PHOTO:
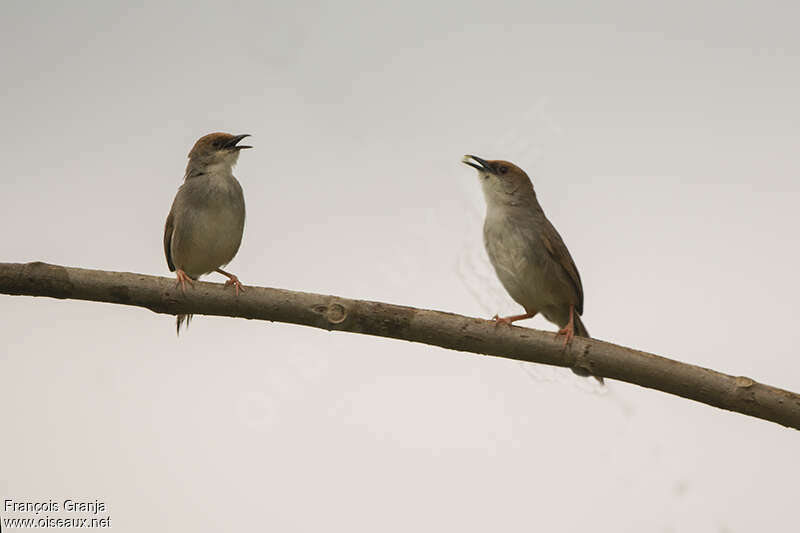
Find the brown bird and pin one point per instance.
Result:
(527, 253)
(205, 225)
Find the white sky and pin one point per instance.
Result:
(662, 141)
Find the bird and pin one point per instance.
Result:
(527, 253)
(204, 227)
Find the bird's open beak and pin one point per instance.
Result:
(232, 144)
(475, 162)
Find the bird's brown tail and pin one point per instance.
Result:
(581, 331)
(180, 319)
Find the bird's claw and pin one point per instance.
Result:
(236, 284)
(568, 332)
(183, 279)
(497, 319)
(511, 319)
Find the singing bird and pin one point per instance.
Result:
(527, 253)
(205, 225)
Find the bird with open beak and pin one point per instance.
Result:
(526, 251)
(205, 225)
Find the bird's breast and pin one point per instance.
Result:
(209, 230)
(520, 261)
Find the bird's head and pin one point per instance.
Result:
(215, 152)
(503, 183)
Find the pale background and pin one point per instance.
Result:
(662, 140)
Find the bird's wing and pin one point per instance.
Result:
(168, 227)
(558, 252)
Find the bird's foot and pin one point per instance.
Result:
(232, 280)
(568, 331)
(497, 319)
(183, 279)
(235, 282)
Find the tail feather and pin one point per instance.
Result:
(184, 319)
(581, 331)
(180, 319)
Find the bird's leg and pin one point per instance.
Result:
(509, 319)
(232, 280)
(569, 330)
(183, 278)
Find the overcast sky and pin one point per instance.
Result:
(662, 140)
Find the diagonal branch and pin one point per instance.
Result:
(454, 332)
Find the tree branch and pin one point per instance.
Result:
(447, 330)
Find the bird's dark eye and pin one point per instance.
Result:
(215, 144)
(503, 169)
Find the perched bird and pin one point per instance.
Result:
(205, 225)
(527, 252)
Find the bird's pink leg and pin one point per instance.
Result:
(183, 279)
(569, 330)
(509, 319)
(232, 280)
